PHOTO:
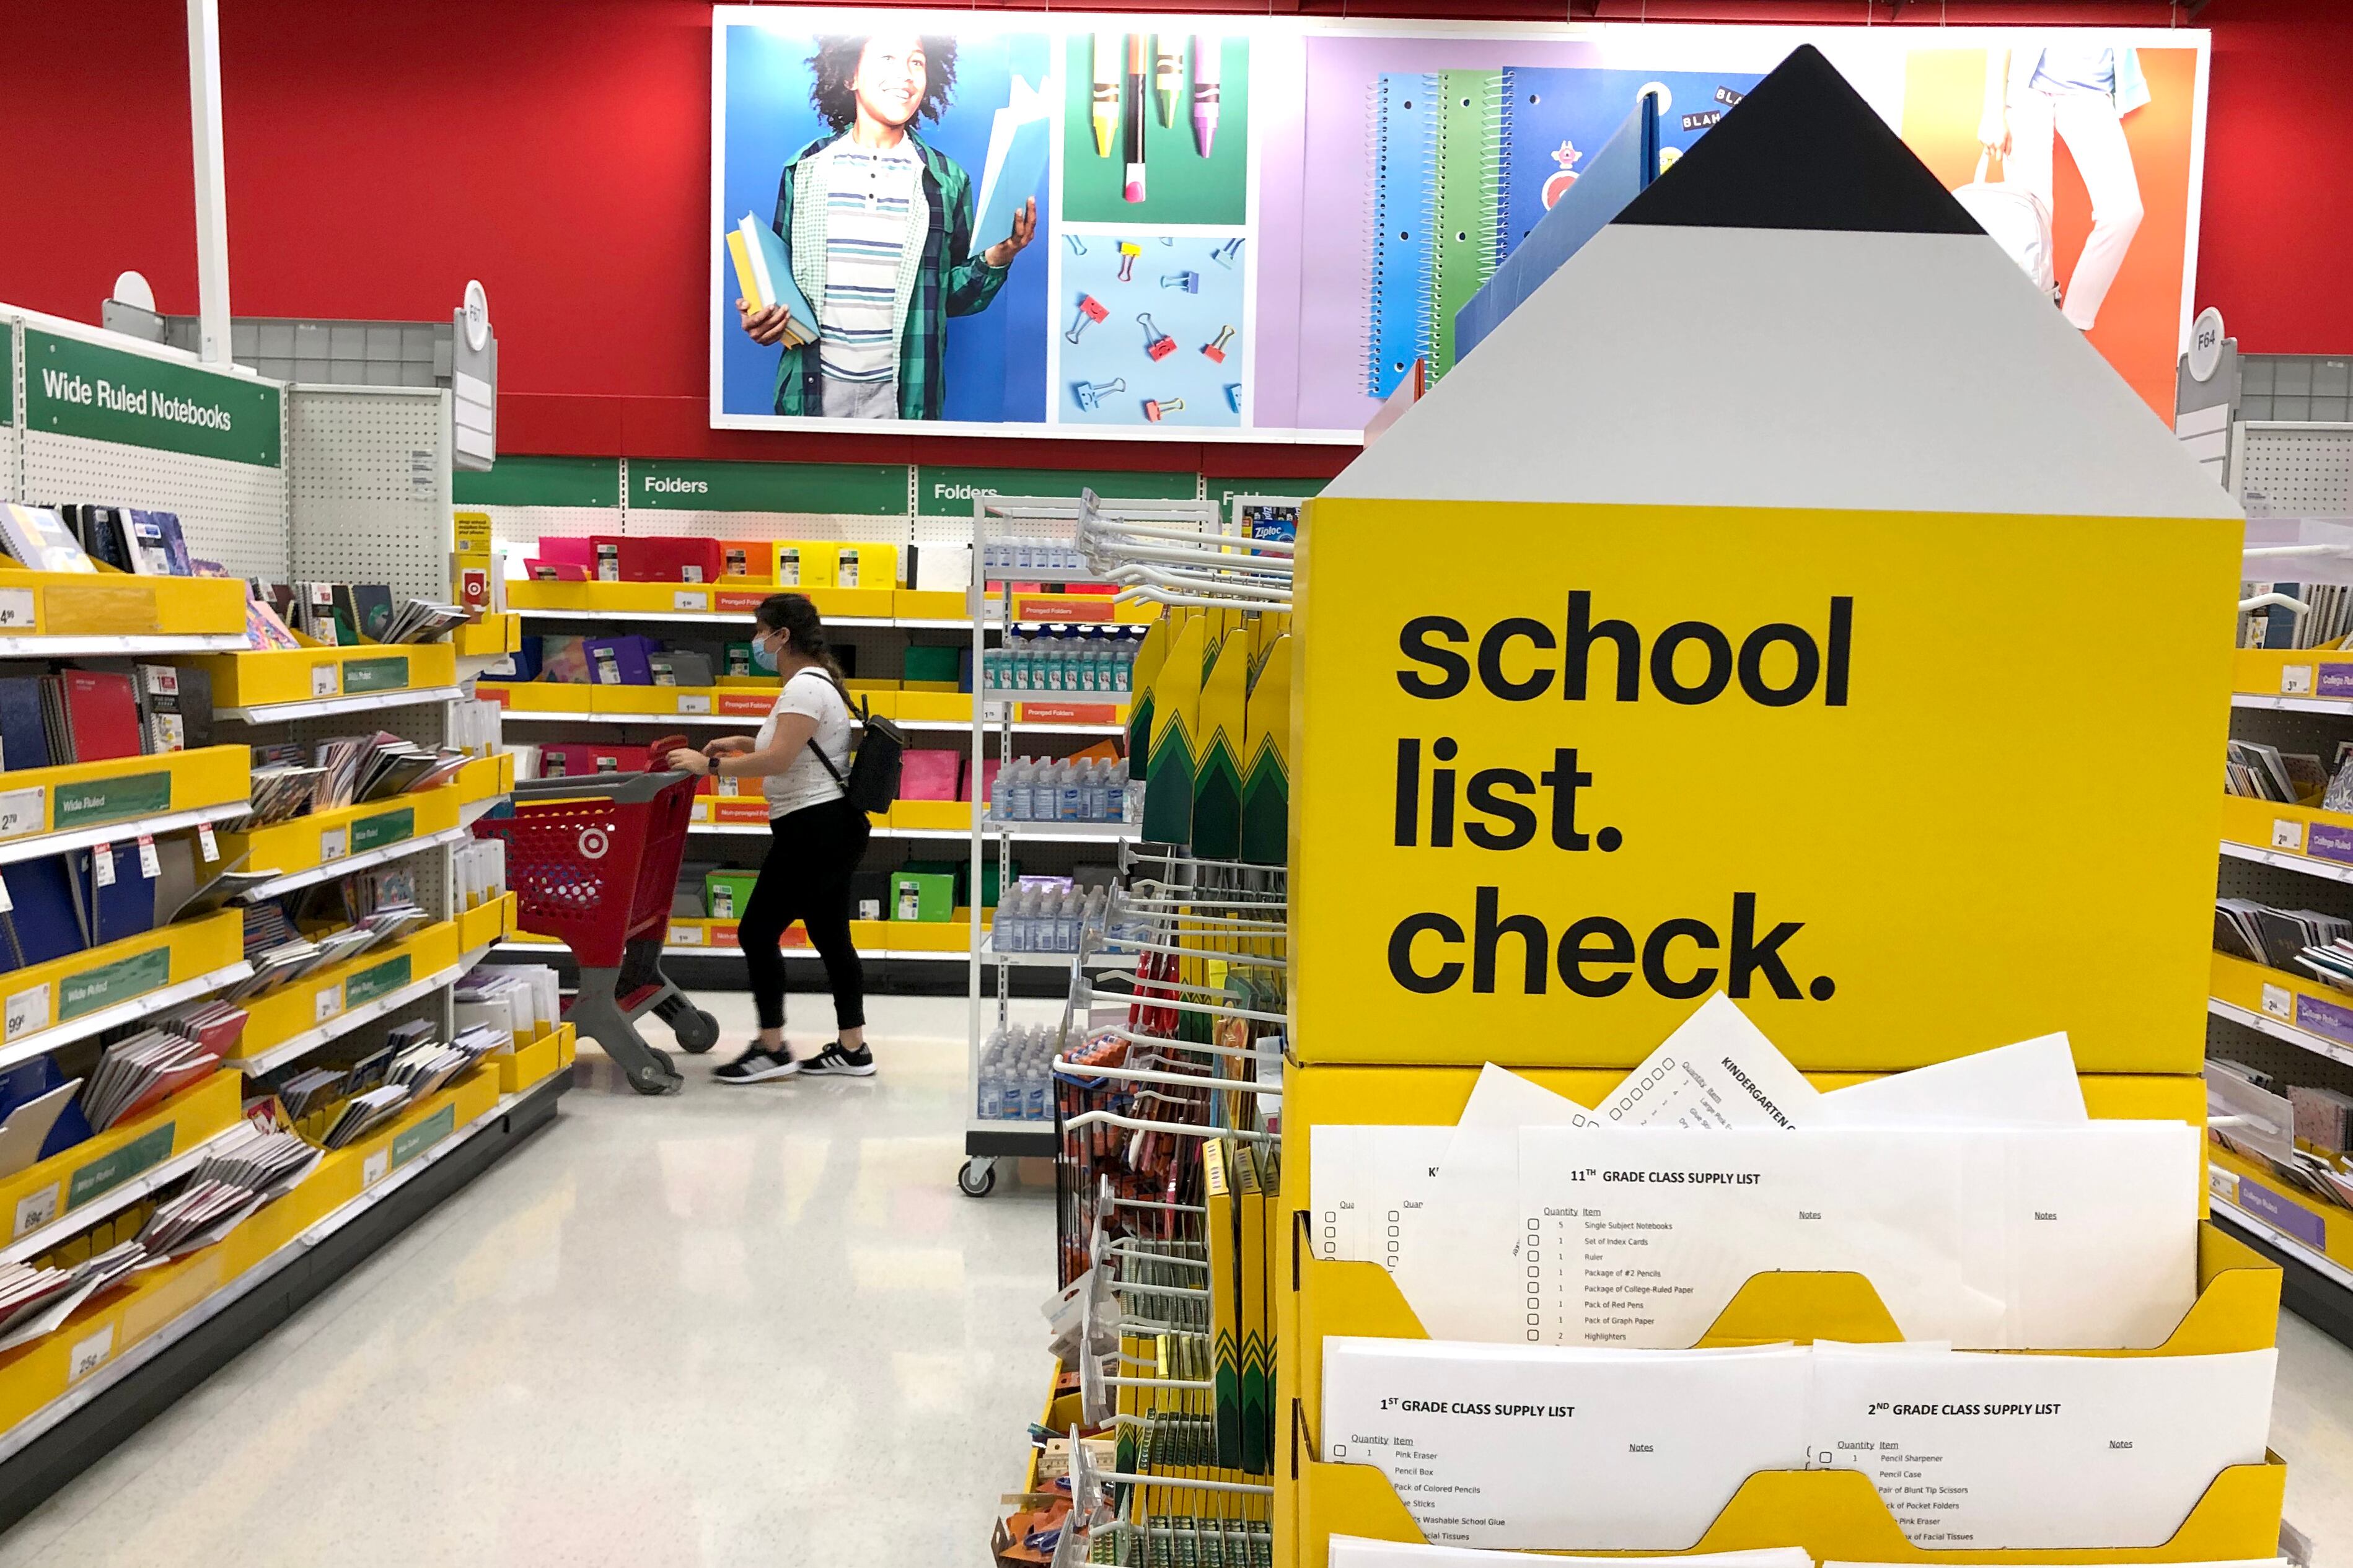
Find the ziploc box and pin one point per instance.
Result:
(923, 896)
(727, 894)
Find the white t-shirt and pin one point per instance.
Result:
(866, 230)
(805, 782)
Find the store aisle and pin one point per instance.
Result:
(736, 1326)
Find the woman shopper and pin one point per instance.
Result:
(801, 757)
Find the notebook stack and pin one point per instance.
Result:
(176, 707)
(36, 538)
(245, 1169)
(36, 1301)
(135, 1075)
(279, 793)
(2280, 939)
(421, 621)
(2257, 772)
(364, 1112)
(356, 769)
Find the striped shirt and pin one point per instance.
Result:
(866, 237)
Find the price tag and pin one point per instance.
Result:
(102, 864)
(16, 610)
(2295, 680)
(24, 811)
(2279, 1003)
(328, 1003)
(26, 1011)
(2222, 1183)
(689, 936)
(206, 842)
(2287, 833)
(686, 599)
(149, 865)
(373, 1169)
(695, 704)
(90, 1354)
(335, 843)
(36, 1209)
(322, 681)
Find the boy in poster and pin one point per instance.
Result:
(879, 228)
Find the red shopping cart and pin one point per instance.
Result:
(594, 862)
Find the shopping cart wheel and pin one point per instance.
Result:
(978, 1177)
(657, 1077)
(697, 1030)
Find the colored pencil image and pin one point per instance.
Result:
(1131, 144)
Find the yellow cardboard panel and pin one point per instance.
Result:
(1550, 792)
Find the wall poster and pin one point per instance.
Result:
(1104, 225)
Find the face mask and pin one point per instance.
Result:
(762, 660)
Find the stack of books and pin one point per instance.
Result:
(35, 1301)
(147, 543)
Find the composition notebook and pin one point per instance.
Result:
(1466, 162)
(764, 270)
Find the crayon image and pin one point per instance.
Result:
(1167, 78)
(1206, 65)
(1105, 111)
(1133, 143)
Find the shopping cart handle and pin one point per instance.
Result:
(622, 789)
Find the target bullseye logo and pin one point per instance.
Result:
(594, 843)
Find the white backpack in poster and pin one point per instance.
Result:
(2019, 222)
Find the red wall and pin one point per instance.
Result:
(380, 154)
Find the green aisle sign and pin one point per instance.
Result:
(950, 492)
(541, 482)
(1223, 492)
(865, 489)
(74, 388)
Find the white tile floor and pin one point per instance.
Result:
(738, 1327)
(733, 1326)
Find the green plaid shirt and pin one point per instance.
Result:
(940, 277)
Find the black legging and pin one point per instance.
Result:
(806, 877)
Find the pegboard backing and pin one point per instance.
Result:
(2316, 734)
(2281, 887)
(2296, 469)
(234, 513)
(370, 487)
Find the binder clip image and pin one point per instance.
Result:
(1128, 251)
(1090, 310)
(1234, 395)
(1189, 282)
(1155, 410)
(1227, 254)
(1090, 393)
(1216, 351)
(1078, 246)
(1156, 344)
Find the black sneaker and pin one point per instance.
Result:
(835, 1062)
(759, 1064)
